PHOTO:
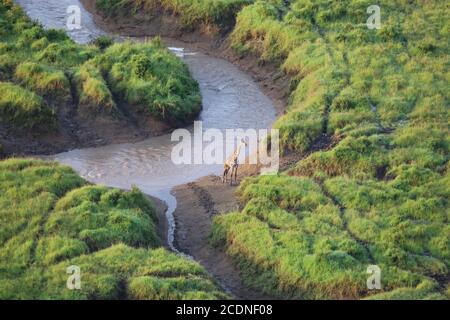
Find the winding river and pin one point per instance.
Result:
(231, 100)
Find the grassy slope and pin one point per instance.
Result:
(37, 67)
(52, 219)
(380, 196)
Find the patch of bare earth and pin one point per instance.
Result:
(198, 202)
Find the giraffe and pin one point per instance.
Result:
(232, 164)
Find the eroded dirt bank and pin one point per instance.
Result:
(161, 208)
(74, 132)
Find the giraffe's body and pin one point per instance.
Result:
(232, 164)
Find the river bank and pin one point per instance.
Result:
(76, 134)
(197, 203)
(59, 94)
(306, 234)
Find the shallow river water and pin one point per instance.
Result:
(231, 99)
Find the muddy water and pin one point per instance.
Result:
(230, 100)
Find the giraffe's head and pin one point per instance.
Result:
(243, 142)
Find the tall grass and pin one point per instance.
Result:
(95, 96)
(43, 80)
(52, 219)
(23, 108)
(148, 76)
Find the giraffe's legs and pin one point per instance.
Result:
(225, 175)
(233, 172)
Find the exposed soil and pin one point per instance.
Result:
(75, 130)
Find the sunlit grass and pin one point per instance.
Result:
(52, 219)
(23, 108)
(192, 13)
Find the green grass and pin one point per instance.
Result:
(48, 64)
(145, 77)
(52, 219)
(23, 108)
(303, 245)
(43, 80)
(148, 76)
(380, 195)
(192, 13)
(95, 95)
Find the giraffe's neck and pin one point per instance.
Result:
(238, 151)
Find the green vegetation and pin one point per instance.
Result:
(380, 194)
(21, 107)
(377, 196)
(149, 76)
(95, 95)
(43, 80)
(52, 219)
(192, 13)
(44, 70)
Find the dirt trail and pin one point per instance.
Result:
(274, 83)
(198, 202)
